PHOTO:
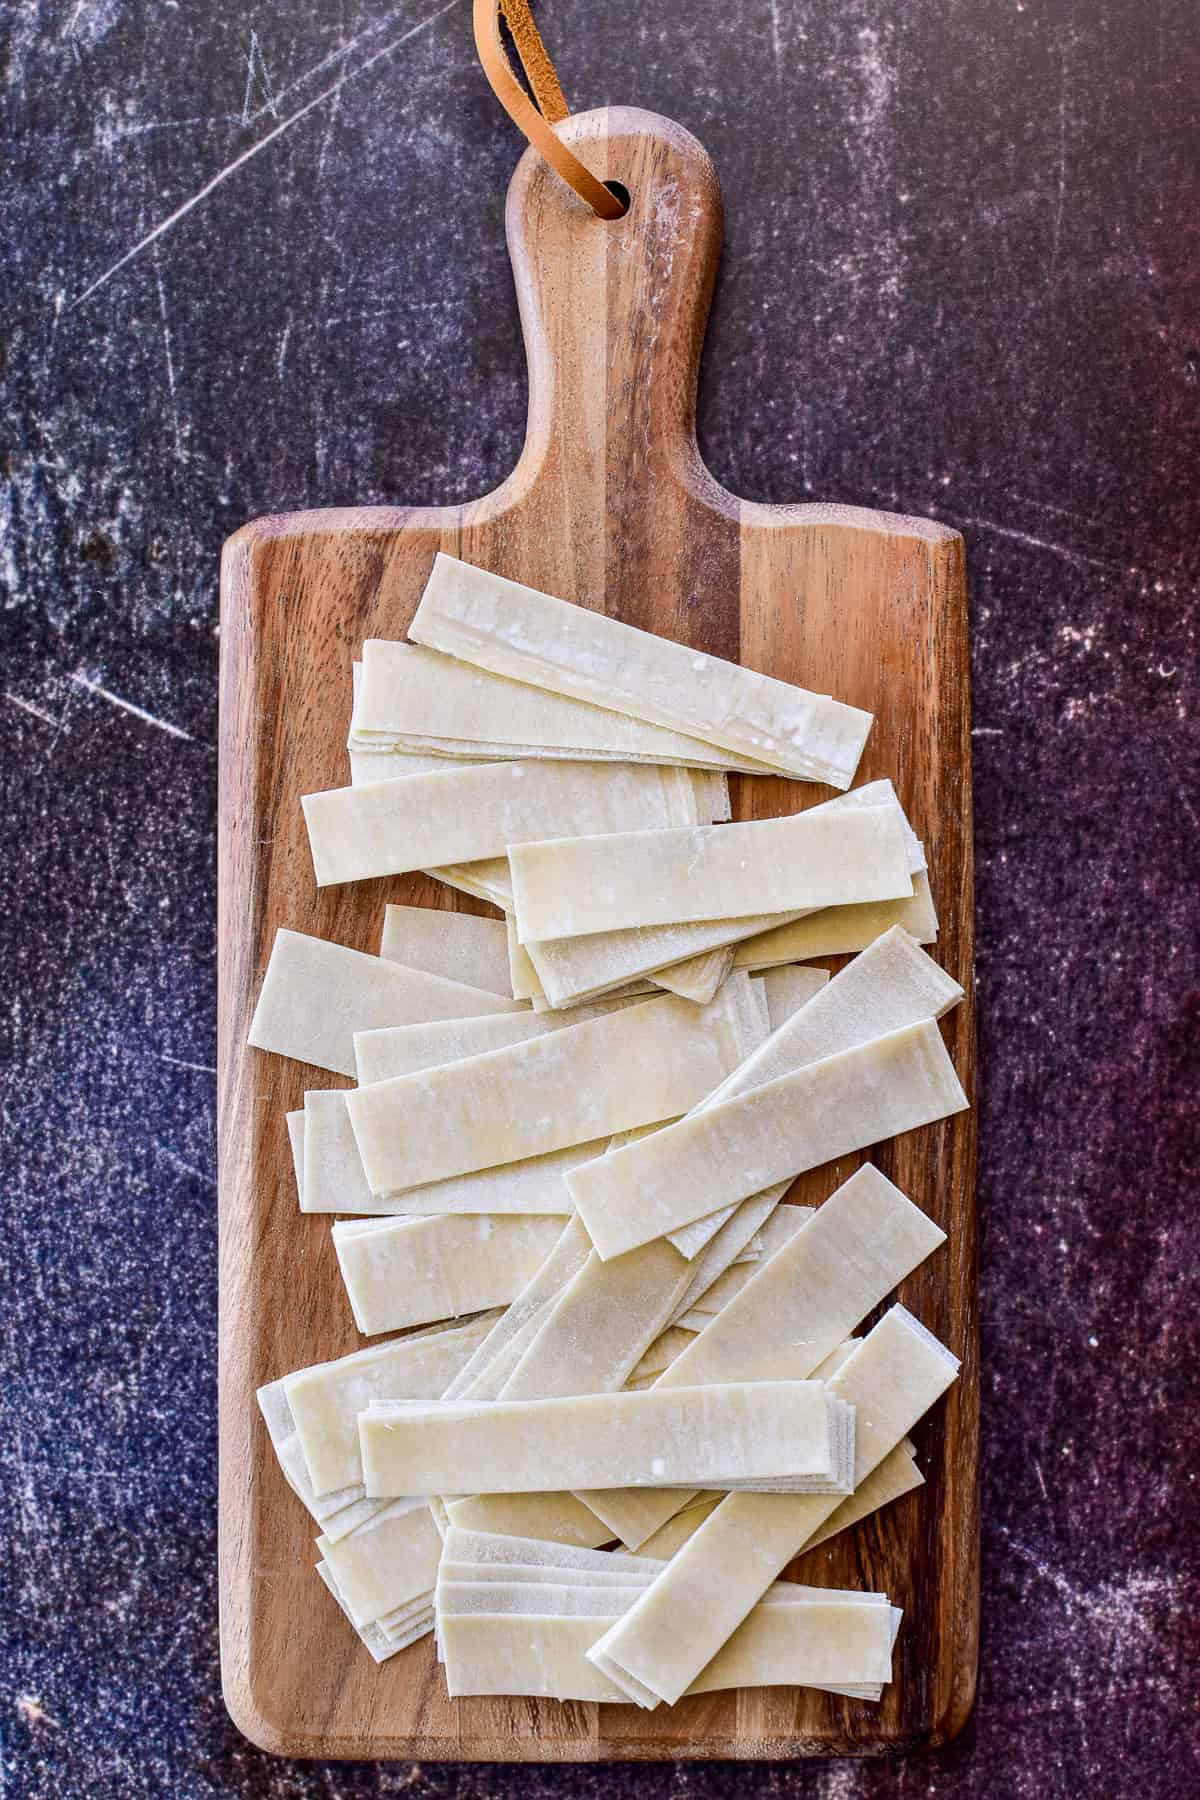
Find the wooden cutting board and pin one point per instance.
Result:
(611, 506)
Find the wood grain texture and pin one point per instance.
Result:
(610, 506)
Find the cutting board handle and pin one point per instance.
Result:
(614, 311)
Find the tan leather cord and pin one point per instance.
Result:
(535, 60)
(537, 122)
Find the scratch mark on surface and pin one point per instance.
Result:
(327, 136)
(139, 712)
(776, 41)
(1062, 162)
(179, 1063)
(29, 707)
(257, 71)
(435, 306)
(283, 344)
(180, 450)
(1063, 512)
(253, 150)
(334, 56)
(1119, 1602)
(1029, 661)
(1037, 543)
(33, 1712)
(185, 1168)
(144, 127)
(61, 727)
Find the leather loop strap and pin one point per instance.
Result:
(535, 60)
(538, 126)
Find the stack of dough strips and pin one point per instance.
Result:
(561, 1171)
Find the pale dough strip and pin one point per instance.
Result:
(890, 1085)
(333, 1179)
(776, 1231)
(422, 700)
(564, 1598)
(619, 1519)
(694, 978)
(842, 1644)
(390, 1560)
(662, 1353)
(569, 886)
(337, 1182)
(533, 1185)
(788, 989)
(564, 1261)
(890, 1480)
(488, 1383)
(601, 1324)
(698, 977)
(332, 1176)
(568, 970)
(667, 1639)
(727, 1244)
(526, 983)
(380, 1643)
(368, 764)
(623, 1511)
(487, 1557)
(401, 1272)
(663, 1543)
(635, 1514)
(477, 811)
(503, 1550)
(739, 1431)
(549, 1517)
(476, 1587)
(338, 1512)
(316, 995)
(713, 803)
(366, 748)
(482, 1574)
(295, 1131)
(574, 968)
(377, 759)
(455, 945)
(583, 1340)
(406, 1049)
(635, 1067)
(838, 930)
(484, 1590)
(892, 984)
(402, 1616)
(529, 636)
(488, 879)
(895, 1476)
(834, 1644)
(326, 1398)
(857, 1247)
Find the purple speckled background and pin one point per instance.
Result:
(253, 261)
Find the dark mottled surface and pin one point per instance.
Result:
(254, 262)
